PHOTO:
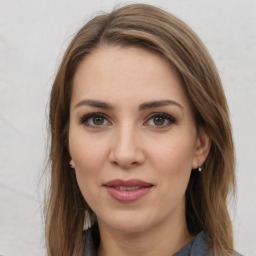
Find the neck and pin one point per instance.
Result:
(161, 240)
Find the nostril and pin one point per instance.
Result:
(126, 157)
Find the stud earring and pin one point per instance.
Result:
(199, 166)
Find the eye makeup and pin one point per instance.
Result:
(99, 120)
(160, 120)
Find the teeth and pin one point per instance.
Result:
(127, 188)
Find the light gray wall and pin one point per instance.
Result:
(33, 36)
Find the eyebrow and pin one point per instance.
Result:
(159, 103)
(143, 106)
(94, 103)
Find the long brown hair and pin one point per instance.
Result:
(206, 196)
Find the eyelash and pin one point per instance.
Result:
(170, 119)
(85, 119)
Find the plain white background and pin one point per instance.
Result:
(33, 37)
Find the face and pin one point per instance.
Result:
(132, 138)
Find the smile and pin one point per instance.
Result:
(127, 188)
(127, 191)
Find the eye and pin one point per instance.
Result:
(94, 120)
(160, 120)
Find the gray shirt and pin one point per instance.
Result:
(197, 247)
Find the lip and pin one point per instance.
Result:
(137, 189)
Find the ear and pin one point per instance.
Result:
(202, 149)
(72, 163)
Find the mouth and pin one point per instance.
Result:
(127, 188)
(127, 191)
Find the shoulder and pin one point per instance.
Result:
(199, 247)
(237, 254)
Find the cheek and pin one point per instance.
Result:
(88, 155)
(173, 161)
(86, 150)
(175, 152)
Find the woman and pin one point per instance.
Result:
(141, 144)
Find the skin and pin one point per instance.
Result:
(128, 143)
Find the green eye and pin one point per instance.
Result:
(98, 120)
(159, 121)
(94, 120)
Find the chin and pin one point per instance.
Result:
(129, 227)
(127, 223)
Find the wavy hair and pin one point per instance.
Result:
(207, 193)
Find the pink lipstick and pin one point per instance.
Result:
(127, 191)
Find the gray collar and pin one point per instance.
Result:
(197, 247)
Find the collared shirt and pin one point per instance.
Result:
(197, 247)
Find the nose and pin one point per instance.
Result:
(127, 151)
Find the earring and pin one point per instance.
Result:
(200, 166)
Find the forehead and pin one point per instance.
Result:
(127, 73)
